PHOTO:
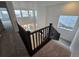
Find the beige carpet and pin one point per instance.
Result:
(53, 49)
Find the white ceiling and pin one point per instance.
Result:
(46, 3)
(40, 3)
(34, 4)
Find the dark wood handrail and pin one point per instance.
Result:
(39, 29)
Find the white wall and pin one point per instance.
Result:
(75, 45)
(41, 17)
(68, 8)
(41, 12)
(12, 15)
(24, 4)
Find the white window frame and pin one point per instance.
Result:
(3, 14)
(64, 27)
(32, 13)
(23, 15)
(19, 11)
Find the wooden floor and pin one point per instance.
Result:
(53, 49)
(11, 45)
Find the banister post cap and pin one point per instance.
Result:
(50, 24)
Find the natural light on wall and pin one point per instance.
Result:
(67, 22)
(29, 27)
(71, 8)
(27, 19)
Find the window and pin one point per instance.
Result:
(25, 13)
(67, 22)
(0, 15)
(17, 13)
(5, 14)
(30, 13)
(35, 13)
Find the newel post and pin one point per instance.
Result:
(50, 27)
(28, 43)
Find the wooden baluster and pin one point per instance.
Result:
(45, 32)
(36, 40)
(41, 36)
(33, 41)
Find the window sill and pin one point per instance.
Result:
(65, 28)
